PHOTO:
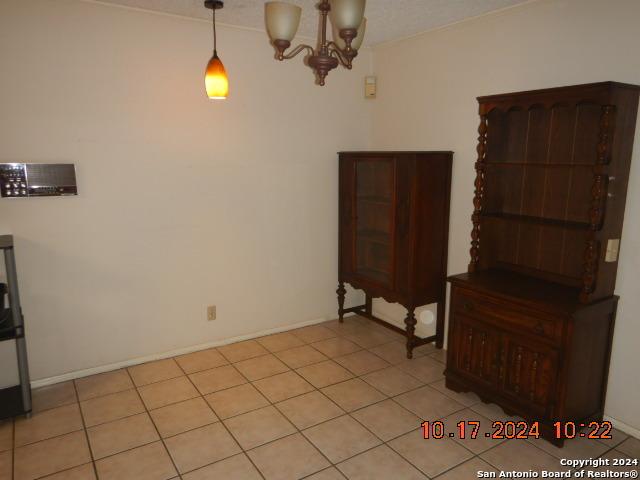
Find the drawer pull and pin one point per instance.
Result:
(539, 328)
(467, 306)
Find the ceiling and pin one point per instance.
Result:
(386, 19)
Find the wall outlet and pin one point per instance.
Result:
(211, 312)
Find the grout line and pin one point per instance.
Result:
(230, 434)
(86, 432)
(154, 426)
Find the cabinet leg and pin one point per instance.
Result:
(341, 291)
(442, 306)
(410, 322)
(368, 305)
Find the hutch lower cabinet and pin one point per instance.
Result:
(531, 323)
(518, 343)
(393, 233)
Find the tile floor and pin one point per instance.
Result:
(330, 401)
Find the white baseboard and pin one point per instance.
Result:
(159, 356)
(623, 427)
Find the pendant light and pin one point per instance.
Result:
(215, 77)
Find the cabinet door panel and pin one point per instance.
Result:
(530, 372)
(477, 349)
(375, 182)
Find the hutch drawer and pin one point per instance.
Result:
(507, 316)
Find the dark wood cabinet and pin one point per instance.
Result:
(532, 321)
(393, 232)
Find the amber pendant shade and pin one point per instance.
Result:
(215, 79)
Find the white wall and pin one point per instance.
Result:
(183, 202)
(426, 100)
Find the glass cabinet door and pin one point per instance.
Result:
(374, 222)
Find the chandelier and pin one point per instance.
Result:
(347, 20)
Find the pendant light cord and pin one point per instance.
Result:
(214, 31)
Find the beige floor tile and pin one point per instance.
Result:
(111, 407)
(481, 442)
(324, 373)
(428, 404)
(259, 427)
(183, 416)
(465, 398)
(362, 362)
(369, 338)
(235, 401)
(216, 379)
(439, 355)
(202, 360)
(301, 356)
(493, 412)
(150, 462)
(392, 381)
(238, 467)
(309, 409)
(288, 458)
(200, 447)
(380, 463)
(350, 326)
(51, 456)
(341, 438)
(124, 434)
(6, 465)
(468, 470)
(396, 352)
(83, 472)
(387, 419)
(280, 341)
(578, 447)
(432, 456)
(48, 424)
(313, 333)
(164, 393)
(283, 386)
(261, 367)
(331, 473)
(631, 447)
(520, 455)
(103, 384)
(155, 371)
(336, 347)
(425, 369)
(6, 435)
(617, 437)
(237, 352)
(353, 394)
(53, 396)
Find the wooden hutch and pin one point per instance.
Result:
(531, 323)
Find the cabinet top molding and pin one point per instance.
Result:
(603, 93)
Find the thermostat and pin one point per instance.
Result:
(370, 87)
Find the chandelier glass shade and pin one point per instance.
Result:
(348, 26)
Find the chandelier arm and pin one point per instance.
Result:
(336, 52)
(296, 51)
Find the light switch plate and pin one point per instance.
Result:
(613, 247)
